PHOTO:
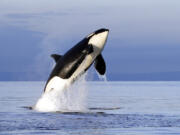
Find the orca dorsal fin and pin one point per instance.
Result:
(100, 65)
(56, 57)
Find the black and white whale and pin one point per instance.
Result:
(73, 64)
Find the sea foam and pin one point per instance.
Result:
(69, 99)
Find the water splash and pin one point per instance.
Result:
(102, 77)
(70, 99)
(75, 96)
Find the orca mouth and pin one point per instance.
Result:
(101, 30)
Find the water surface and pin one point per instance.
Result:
(122, 108)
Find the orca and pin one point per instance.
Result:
(76, 61)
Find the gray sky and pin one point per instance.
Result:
(144, 34)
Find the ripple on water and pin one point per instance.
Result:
(77, 120)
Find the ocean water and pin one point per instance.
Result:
(114, 108)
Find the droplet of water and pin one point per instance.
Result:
(102, 77)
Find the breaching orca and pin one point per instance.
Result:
(74, 63)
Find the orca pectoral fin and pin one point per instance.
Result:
(100, 65)
(56, 57)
